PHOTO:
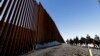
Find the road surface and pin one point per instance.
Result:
(64, 50)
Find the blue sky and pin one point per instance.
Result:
(74, 17)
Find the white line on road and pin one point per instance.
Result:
(90, 52)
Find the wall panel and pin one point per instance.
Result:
(23, 25)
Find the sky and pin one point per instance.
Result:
(74, 17)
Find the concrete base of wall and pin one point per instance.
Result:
(45, 45)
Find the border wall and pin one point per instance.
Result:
(23, 25)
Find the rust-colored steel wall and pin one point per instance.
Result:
(17, 26)
(47, 30)
(23, 25)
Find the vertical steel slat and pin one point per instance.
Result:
(32, 22)
(2, 7)
(13, 32)
(7, 27)
(28, 42)
(19, 30)
(2, 24)
(33, 30)
(29, 26)
(24, 34)
(15, 46)
(23, 30)
(2, 20)
(10, 30)
(5, 30)
(26, 39)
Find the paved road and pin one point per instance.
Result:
(61, 50)
(96, 52)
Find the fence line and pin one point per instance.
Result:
(23, 25)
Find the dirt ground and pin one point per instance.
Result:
(64, 50)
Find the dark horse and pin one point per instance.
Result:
(96, 43)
